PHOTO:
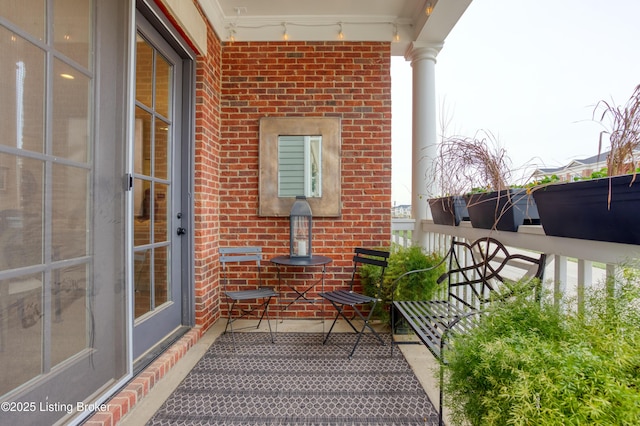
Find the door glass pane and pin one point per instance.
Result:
(71, 113)
(142, 282)
(70, 207)
(161, 202)
(161, 275)
(29, 15)
(22, 72)
(72, 29)
(143, 147)
(161, 151)
(144, 72)
(21, 330)
(21, 216)
(69, 307)
(142, 211)
(163, 85)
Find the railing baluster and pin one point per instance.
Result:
(585, 278)
(560, 278)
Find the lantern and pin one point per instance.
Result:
(300, 228)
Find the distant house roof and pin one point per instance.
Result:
(594, 159)
(590, 160)
(549, 170)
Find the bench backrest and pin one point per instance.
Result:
(478, 269)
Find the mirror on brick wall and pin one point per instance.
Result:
(299, 156)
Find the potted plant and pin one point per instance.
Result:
(484, 166)
(448, 210)
(602, 209)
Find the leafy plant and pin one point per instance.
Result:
(529, 363)
(420, 286)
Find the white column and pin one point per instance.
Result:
(425, 134)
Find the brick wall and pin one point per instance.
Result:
(207, 183)
(350, 80)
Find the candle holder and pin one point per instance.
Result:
(300, 220)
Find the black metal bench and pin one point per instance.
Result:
(475, 271)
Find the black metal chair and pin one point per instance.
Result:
(247, 289)
(340, 299)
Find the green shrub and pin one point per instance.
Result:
(529, 363)
(420, 286)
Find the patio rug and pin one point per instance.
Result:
(298, 381)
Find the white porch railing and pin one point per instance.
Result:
(572, 265)
(401, 230)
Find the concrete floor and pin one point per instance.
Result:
(422, 362)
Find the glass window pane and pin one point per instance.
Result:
(142, 282)
(21, 217)
(69, 310)
(142, 163)
(142, 211)
(144, 72)
(161, 218)
(70, 211)
(22, 72)
(161, 148)
(72, 29)
(163, 85)
(21, 332)
(29, 15)
(161, 276)
(71, 111)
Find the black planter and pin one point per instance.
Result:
(580, 209)
(448, 210)
(504, 210)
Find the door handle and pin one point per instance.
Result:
(181, 231)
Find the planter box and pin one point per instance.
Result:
(580, 209)
(504, 210)
(448, 210)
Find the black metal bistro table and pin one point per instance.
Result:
(314, 260)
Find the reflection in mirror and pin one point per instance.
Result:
(299, 166)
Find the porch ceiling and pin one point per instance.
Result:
(312, 20)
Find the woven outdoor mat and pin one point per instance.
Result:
(298, 381)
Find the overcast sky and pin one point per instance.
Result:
(529, 72)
